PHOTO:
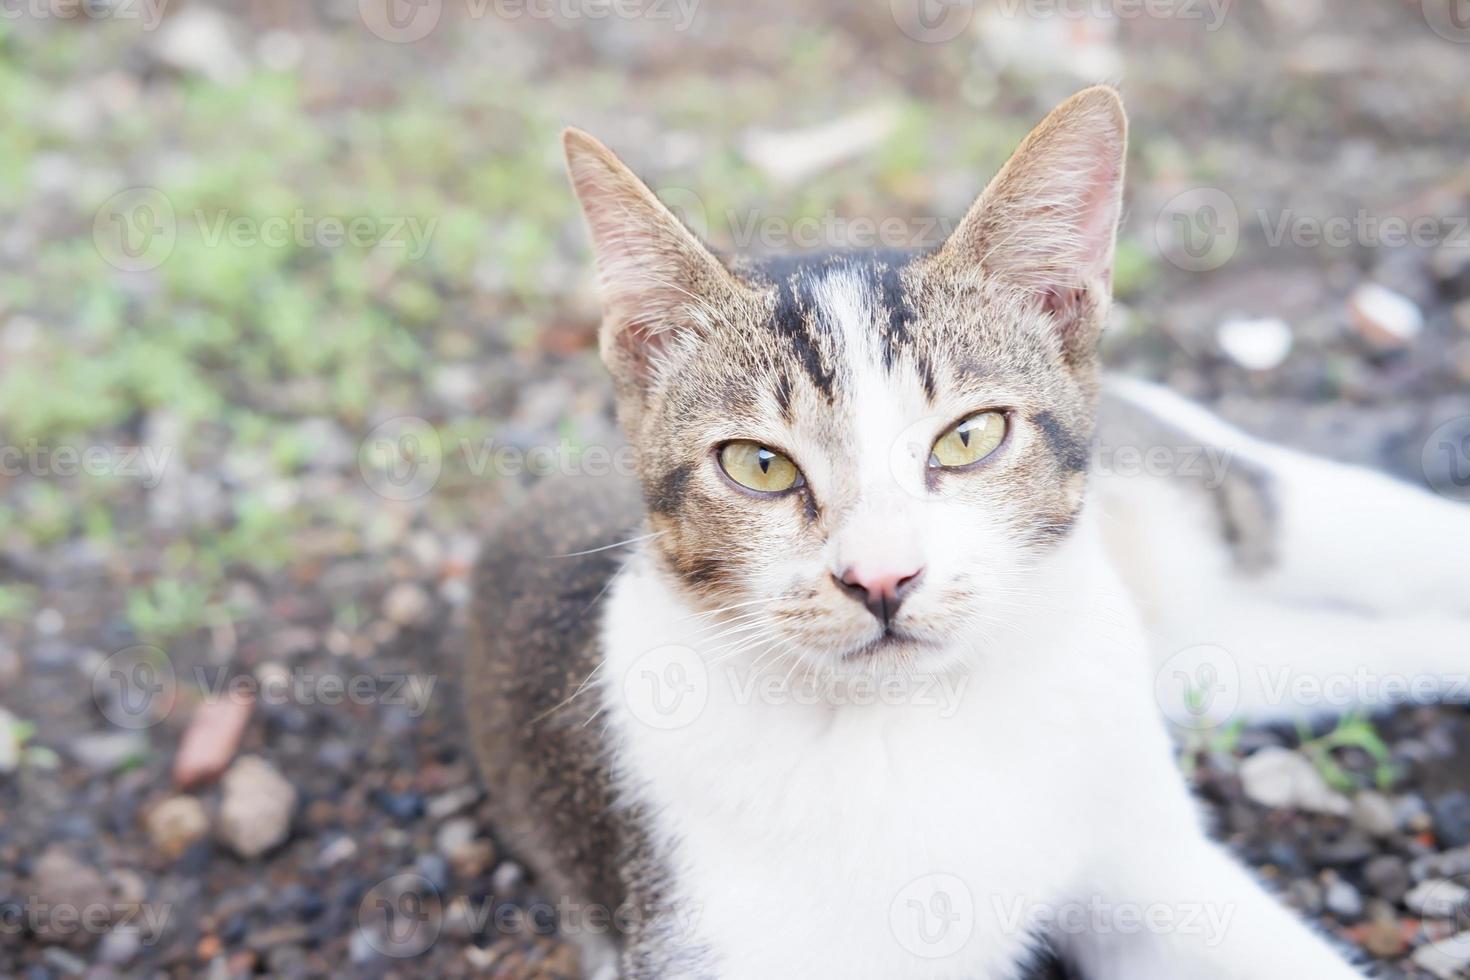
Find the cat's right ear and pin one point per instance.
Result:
(658, 281)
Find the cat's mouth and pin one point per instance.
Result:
(891, 641)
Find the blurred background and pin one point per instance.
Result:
(294, 296)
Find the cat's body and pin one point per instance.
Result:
(683, 715)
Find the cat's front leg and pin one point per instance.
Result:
(1188, 910)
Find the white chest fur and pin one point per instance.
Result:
(913, 827)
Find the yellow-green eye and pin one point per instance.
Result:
(970, 441)
(755, 467)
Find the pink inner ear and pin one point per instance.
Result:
(1099, 214)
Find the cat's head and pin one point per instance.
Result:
(862, 455)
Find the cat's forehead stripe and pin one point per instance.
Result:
(837, 307)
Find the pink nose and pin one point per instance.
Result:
(879, 588)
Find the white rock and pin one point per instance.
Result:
(406, 603)
(9, 742)
(176, 823)
(1447, 958)
(793, 155)
(1256, 345)
(255, 813)
(1374, 813)
(1386, 319)
(1280, 778)
(198, 41)
(1437, 898)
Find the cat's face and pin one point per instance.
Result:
(862, 458)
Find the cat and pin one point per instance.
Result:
(858, 678)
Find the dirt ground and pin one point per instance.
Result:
(254, 256)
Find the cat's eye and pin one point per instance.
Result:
(969, 442)
(758, 468)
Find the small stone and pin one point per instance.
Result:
(470, 860)
(454, 834)
(1412, 813)
(1446, 864)
(1281, 778)
(211, 740)
(1437, 899)
(339, 850)
(10, 742)
(1446, 959)
(1452, 819)
(1305, 895)
(1343, 901)
(1383, 938)
(59, 881)
(106, 752)
(446, 805)
(255, 812)
(1373, 813)
(1255, 344)
(176, 823)
(406, 604)
(1388, 876)
(120, 947)
(1386, 319)
(507, 878)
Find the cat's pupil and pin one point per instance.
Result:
(965, 436)
(765, 459)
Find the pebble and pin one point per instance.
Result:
(446, 805)
(1255, 344)
(211, 740)
(434, 868)
(59, 880)
(1446, 864)
(454, 834)
(1386, 319)
(1437, 898)
(406, 604)
(1373, 813)
(120, 947)
(1281, 778)
(1388, 876)
(177, 823)
(107, 752)
(339, 850)
(1384, 937)
(1452, 819)
(255, 813)
(1343, 901)
(1446, 959)
(470, 860)
(9, 742)
(1305, 895)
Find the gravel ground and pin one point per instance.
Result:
(229, 728)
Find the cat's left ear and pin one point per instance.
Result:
(1048, 221)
